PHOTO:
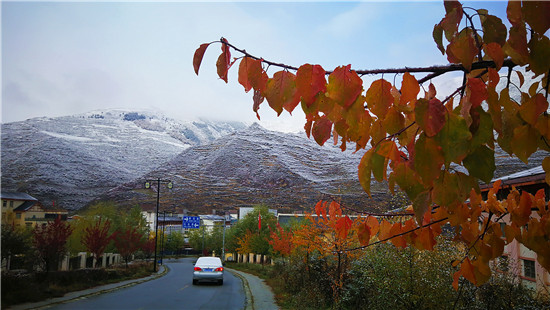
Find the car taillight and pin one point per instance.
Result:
(219, 269)
(198, 269)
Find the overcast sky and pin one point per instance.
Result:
(63, 58)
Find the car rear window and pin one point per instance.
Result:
(209, 260)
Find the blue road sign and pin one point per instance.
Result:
(191, 222)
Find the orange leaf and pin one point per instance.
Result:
(494, 50)
(310, 80)
(281, 92)
(373, 225)
(321, 130)
(456, 276)
(379, 98)
(463, 49)
(197, 57)
(385, 228)
(519, 214)
(365, 170)
(409, 89)
(467, 271)
(426, 238)
(397, 241)
(482, 271)
(344, 86)
(531, 109)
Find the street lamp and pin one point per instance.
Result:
(148, 185)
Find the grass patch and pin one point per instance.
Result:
(23, 287)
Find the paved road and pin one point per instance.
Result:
(172, 291)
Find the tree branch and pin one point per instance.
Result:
(398, 235)
(433, 70)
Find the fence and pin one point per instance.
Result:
(81, 261)
(250, 258)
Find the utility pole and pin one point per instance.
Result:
(148, 185)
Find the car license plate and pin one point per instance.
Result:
(208, 269)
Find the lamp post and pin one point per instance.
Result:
(148, 185)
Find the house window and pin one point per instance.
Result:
(18, 215)
(11, 204)
(4, 203)
(529, 269)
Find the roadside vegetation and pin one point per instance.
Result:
(390, 278)
(33, 256)
(22, 287)
(310, 273)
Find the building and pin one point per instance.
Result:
(243, 211)
(519, 259)
(23, 210)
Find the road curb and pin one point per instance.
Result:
(249, 302)
(72, 296)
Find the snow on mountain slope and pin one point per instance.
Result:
(72, 159)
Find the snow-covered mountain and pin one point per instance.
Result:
(72, 159)
(108, 154)
(256, 166)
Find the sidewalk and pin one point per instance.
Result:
(258, 294)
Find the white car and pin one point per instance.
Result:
(208, 268)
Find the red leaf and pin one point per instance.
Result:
(252, 75)
(197, 58)
(513, 12)
(537, 15)
(321, 130)
(363, 233)
(344, 85)
(342, 226)
(258, 99)
(494, 78)
(478, 91)
(430, 116)
(310, 80)
(334, 210)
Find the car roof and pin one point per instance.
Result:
(209, 260)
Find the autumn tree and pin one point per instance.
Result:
(97, 237)
(50, 242)
(128, 241)
(435, 147)
(148, 247)
(256, 231)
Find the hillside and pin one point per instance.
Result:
(73, 159)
